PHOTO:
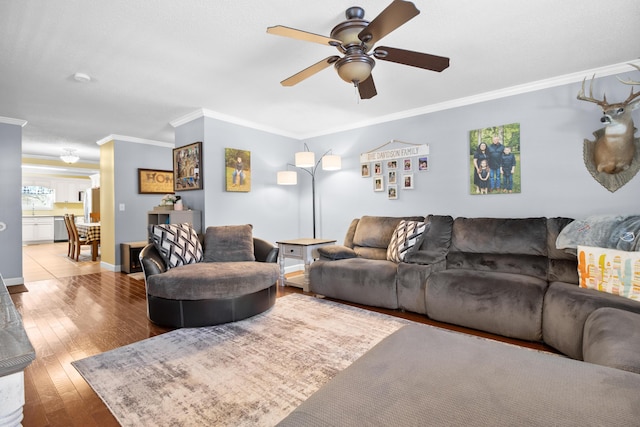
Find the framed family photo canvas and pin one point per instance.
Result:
(187, 167)
(155, 181)
(494, 160)
(237, 169)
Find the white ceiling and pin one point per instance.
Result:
(155, 61)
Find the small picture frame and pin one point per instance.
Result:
(377, 168)
(407, 165)
(378, 183)
(423, 164)
(155, 181)
(392, 176)
(407, 181)
(392, 192)
(365, 170)
(187, 167)
(392, 165)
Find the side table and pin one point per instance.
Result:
(299, 249)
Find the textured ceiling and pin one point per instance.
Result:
(154, 61)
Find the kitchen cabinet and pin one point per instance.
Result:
(37, 229)
(69, 190)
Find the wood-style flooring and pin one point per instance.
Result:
(75, 310)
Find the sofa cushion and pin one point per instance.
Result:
(609, 270)
(178, 244)
(229, 243)
(612, 338)
(501, 303)
(406, 238)
(218, 280)
(359, 280)
(373, 234)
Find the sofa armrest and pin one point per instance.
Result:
(264, 251)
(335, 252)
(151, 261)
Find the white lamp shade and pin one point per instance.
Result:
(287, 178)
(305, 159)
(331, 162)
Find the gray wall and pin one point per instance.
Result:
(131, 224)
(555, 181)
(270, 208)
(10, 207)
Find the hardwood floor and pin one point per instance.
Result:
(70, 317)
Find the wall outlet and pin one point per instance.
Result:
(121, 207)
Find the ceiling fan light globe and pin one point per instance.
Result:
(354, 69)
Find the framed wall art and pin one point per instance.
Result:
(365, 171)
(155, 181)
(494, 160)
(237, 169)
(187, 167)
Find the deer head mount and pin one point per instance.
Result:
(614, 150)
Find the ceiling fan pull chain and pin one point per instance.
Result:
(356, 91)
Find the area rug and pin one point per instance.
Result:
(248, 373)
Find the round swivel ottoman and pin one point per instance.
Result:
(210, 293)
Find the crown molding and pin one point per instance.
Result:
(203, 112)
(455, 103)
(10, 121)
(135, 140)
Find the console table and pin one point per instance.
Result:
(16, 353)
(303, 249)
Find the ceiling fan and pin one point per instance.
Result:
(354, 38)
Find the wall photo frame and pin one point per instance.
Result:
(494, 160)
(155, 181)
(187, 167)
(237, 166)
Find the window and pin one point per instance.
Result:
(35, 197)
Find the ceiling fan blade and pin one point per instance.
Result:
(414, 59)
(367, 88)
(395, 15)
(281, 30)
(309, 71)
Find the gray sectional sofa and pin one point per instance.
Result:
(500, 275)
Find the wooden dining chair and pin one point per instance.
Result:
(78, 240)
(70, 250)
(94, 217)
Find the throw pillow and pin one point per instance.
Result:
(178, 244)
(229, 243)
(407, 235)
(610, 270)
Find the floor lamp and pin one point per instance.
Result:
(306, 161)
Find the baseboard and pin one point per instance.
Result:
(13, 281)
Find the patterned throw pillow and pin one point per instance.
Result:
(178, 244)
(610, 270)
(407, 235)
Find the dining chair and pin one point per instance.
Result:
(94, 217)
(78, 240)
(70, 250)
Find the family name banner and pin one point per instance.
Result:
(395, 153)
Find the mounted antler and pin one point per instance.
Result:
(631, 82)
(615, 149)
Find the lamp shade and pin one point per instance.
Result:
(305, 159)
(287, 178)
(331, 162)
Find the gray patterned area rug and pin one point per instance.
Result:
(248, 373)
